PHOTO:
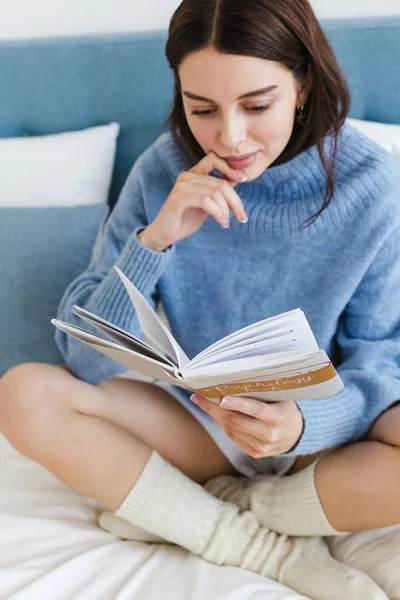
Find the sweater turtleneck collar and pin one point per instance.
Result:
(285, 196)
(305, 168)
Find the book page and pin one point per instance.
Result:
(267, 326)
(151, 324)
(260, 339)
(122, 337)
(283, 344)
(264, 344)
(254, 363)
(245, 340)
(128, 358)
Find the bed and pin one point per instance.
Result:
(50, 545)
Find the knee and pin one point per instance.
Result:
(25, 393)
(386, 428)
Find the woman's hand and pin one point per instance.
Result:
(260, 429)
(196, 195)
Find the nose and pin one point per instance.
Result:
(232, 132)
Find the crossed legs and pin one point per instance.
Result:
(97, 440)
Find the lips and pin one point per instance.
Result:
(242, 163)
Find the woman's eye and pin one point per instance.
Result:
(258, 108)
(210, 111)
(203, 113)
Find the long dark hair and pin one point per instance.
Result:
(283, 31)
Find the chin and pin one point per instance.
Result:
(256, 170)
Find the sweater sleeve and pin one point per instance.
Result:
(368, 338)
(100, 290)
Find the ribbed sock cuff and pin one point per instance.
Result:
(291, 505)
(141, 492)
(312, 504)
(167, 503)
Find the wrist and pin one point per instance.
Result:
(146, 238)
(300, 426)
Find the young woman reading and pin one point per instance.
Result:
(259, 200)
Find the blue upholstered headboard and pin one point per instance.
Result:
(53, 85)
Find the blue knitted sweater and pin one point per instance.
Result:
(343, 272)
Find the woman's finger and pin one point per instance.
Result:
(220, 199)
(232, 198)
(239, 423)
(247, 444)
(212, 161)
(232, 422)
(260, 446)
(216, 412)
(269, 413)
(206, 199)
(254, 428)
(215, 193)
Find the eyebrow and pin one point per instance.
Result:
(264, 90)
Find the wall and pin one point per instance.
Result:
(37, 18)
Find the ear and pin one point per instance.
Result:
(305, 88)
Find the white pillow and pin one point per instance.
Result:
(387, 136)
(62, 169)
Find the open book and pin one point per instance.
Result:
(272, 360)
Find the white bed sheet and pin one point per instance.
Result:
(52, 549)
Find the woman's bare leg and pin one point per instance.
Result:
(359, 484)
(352, 488)
(39, 416)
(158, 419)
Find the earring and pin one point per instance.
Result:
(300, 115)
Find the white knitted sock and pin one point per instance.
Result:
(127, 531)
(287, 504)
(165, 502)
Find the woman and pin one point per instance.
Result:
(257, 130)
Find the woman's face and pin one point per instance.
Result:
(230, 112)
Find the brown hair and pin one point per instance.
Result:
(283, 31)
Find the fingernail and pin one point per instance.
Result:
(225, 223)
(226, 402)
(244, 218)
(241, 176)
(194, 398)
